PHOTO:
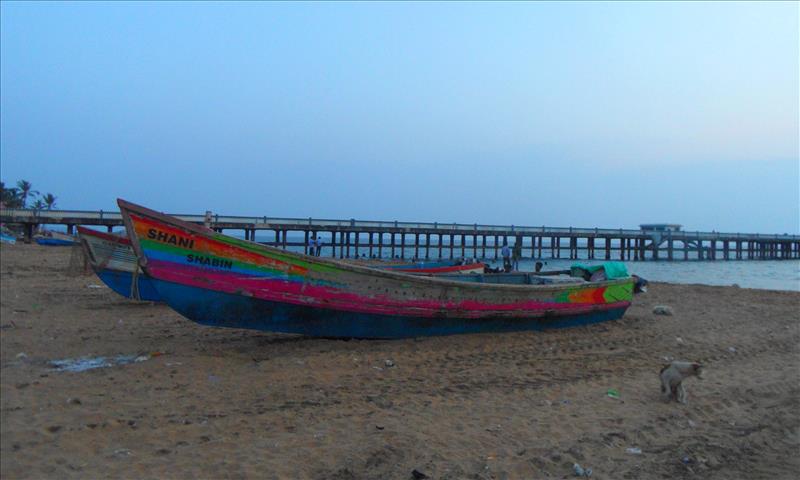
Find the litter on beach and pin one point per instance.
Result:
(613, 393)
(89, 363)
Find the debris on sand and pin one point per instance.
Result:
(581, 472)
(417, 475)
(89, 363)
(663, 310)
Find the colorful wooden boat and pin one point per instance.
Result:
(114, 262)
(218, 280)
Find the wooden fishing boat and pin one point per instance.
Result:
(114, 262)
(55, 239)
(7, 236)
(218, 280)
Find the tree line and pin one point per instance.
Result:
(24, 196)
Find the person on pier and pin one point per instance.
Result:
(506, 253)
(312, 246)
(516, 255)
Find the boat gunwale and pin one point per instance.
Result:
(105, 236)
(390, 274)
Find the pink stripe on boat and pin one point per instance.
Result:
(300, 293)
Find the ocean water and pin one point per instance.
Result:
(762, 274)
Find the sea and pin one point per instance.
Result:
(759, 274)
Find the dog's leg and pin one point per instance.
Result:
(681, 394)
(666, 390)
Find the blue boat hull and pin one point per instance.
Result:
(220, 309)
(54, 242)
(120, 282)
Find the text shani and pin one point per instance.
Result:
(172, 239)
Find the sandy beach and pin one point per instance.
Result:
(221, 403)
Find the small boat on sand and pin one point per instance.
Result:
(114, 262)
(7, 236)
(55, 239)
(218, 280)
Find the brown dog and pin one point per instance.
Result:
(672, 377)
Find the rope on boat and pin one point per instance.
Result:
(135, 284)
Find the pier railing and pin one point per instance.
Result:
(95, 217)
(457, 239)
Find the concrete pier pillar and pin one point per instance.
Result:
(427, 246)
(416, 245)
(402, 245)
(380, 244)
(306, 248)
(463, 246)
(440, 245)
(474, 246)
(110, 228)
(394, 245)
(452, 245)
(29, 229)
(370, 244)
(484, 247)
(496, 246)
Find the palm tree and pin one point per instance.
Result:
(9, 196)
(49, 201)
(38, 205)
(25, 189)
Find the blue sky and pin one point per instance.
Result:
(583, 114)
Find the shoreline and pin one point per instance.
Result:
(214, 402)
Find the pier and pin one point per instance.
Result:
(424, 240)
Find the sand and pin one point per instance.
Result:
(221, 403)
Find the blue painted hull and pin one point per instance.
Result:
(220, 309)
(54, 242)
(120, 282)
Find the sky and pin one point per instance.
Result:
(561, 114)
